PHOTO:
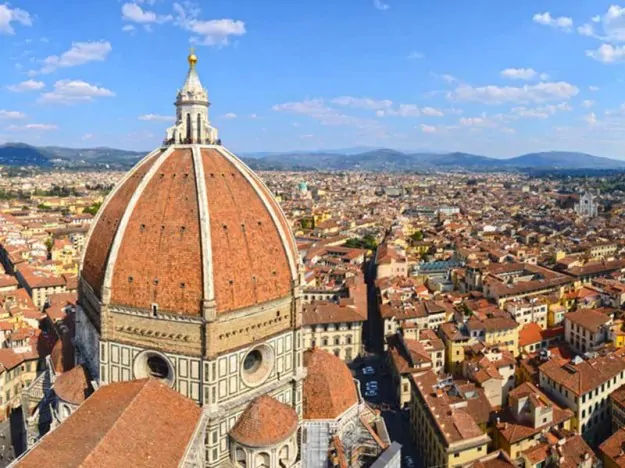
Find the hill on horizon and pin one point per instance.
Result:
(375, 160)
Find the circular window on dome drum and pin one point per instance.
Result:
(257, 365)
(154, 365)
(252, 361)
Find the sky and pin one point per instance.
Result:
(491, 77)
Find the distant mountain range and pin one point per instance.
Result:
(391, 160)
(19, 154)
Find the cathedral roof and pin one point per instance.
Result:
(73, 386)
(329, 388)
(265, 422)
(121, 424)
(188, 225)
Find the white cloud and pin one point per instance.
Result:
(562, 22)
(614, 23)
(482, 121)
(28, 85)
(593, 88)
(135, 14)
(229, 116)
(519, 73)
(492, 94)
(79, 54)
(588, 103)
(449, 79)
(362, 103)
(5, 114)
(620, 111)
(318, 110)
(129, 28)
(415, 55)
(586, 30)
(428, 128)
(215, 32)
(541, 112)
(32, 126)
(607, 53)
(403, 110)
(87, 136)
(596, 19)
(10, 15)
(432, 112)
(380, 5)
(74, 91)
(590, 119)
(253, 116)
(156, 118)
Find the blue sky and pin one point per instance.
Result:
(490, 77)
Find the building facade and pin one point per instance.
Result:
(191, 276)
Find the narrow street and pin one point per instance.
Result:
(7, 437)
(397, 421)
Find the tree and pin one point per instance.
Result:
(368, 242)
(93, 209)
(417, 236)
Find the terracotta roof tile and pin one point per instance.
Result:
(161, 250)
(265, 422)
(589, 319)
(160, 253)
(251, 262)
(73, 386)
(120, 425)
(613, 447)
(329, 388)
(101, 237)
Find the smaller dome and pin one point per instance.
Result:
(62, 355)
(265, 422)
(73, 386)
(329, 388)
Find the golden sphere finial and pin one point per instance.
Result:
(192, 57)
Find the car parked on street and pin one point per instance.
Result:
(368, 370)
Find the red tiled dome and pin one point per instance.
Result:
(73, 386)
(265, 422)
(62, 355)
(329, 388)
(189, 224)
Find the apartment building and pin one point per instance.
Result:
(587, 329)
(502, 332)
(526, 311)
(448, 420)
(529, 413)
(584, 386)
(408, 357)
(456, 338)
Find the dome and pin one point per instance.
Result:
(329, 388)
(265, 422)
(62, 355)
(190, 224)
(190, 228)
(73, 386)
